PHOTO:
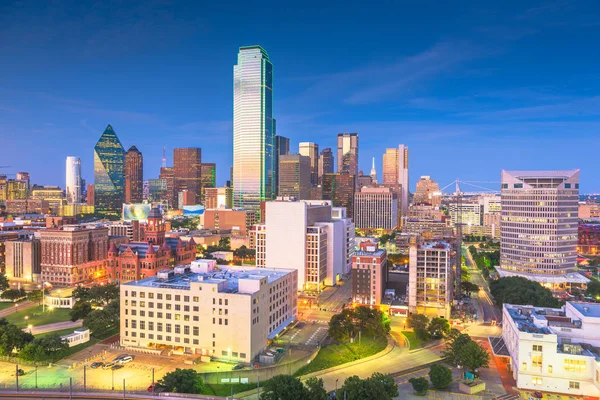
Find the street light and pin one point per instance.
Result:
(30, 327)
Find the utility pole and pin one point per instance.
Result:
(84, 378)
(17, 376)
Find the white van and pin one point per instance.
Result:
(125, 360)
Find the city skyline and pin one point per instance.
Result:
(456, 91)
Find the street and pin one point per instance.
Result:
(483, 297)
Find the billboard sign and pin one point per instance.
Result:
(193, 211)
(136, 212)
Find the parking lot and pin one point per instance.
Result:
(304, 334)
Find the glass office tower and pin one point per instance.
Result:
(109, 181)
(253, 133)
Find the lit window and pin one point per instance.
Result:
(573, 385)
(536, 380)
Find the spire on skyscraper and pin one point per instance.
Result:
(373, 172)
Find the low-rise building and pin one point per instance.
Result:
(369, 274)
(553, 349)
(23, 260)
(229, 313)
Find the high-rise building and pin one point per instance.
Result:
(339, 188)
(373, 173)
(134, 176)
(89, 193)
(73, 181)
(311, 150)
(395, 172)
(376, 208)
(427, 192)
(208, 178)
(239, 222)
(282, 147)
(369, 274)
(3, 188)
(430, 278)
(187, 170)
(157, 190)
(347, 153)
(219, 198)
(16, 189)
(253, 135)
(295, 176)
(466, 213)
(168, 175)
(109, 181)
(52, 194)
(25, 178)
(326, 163)
(538, 228)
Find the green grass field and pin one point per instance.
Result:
(7, 304)
(36, 317)
(414, 341)
(337, 354)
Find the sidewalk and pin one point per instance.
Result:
(17, 307)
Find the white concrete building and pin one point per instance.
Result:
(79, 336)
(469, 214)
(553, 350)
(430, 278)
(73, 180)
(538, 238)
(376, 208)
(228, 313)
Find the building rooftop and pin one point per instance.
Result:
(548, 321)
(543, 174)
(570, 277)
(435, 245)
(587, 309)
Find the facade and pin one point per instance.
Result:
(589, 210)
(253, 131)
(310, 150)
(237, 221)
(16, 189)
(395, 172)
(132, 230)
(466, 213)
(157, 190)
(295, 176)
(425, 211)
(134, 176)
(282, 147)
(51, 194)
(73, 180)
(347, 154)
(90, 198)
(31, 206)
(588, 241)
(326, 163)
(430, 278)
(109, 181)
(168, 174)
(187, 170)
(23, 257)
(218, 197)
(539, 226)
(73, 254)
(553, 349)
(339, 189)
(427, 192)
(229, 313)
(369, 275)
(208, 178)
(376, 208)
(430, 229)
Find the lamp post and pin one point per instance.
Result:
(30, 327)
(335, 393)
(36, 367)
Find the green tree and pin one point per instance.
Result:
(518, 290)
(350, 322)
(283, 387)
(440, 376)
(103, 319)
(3, 282)
(456, 341)
(438, 328)
(80, 310)
(468, 287)
(420, 386)
(341, 326)
(35, 296)
(386, 382)
(315, 390)
(12, 338)
(473, 356)
(593, 289)
(43, 349)
(419, 323)
(182, 381)
(13, 294)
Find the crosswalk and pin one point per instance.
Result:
(508, 396)
(317, 336)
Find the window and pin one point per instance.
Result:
(168, 326)
(159, 326)
(159, 296)
(505, 186)
(177, 329)
(168, 297)
(536, 380)
(524, 366)
(196, 318)
(142, 313)
(186, 299)
(142, 295)
(537, 347)
(573, 385)
(196, 299)
(186, 330)
(518, 186)
(196, 331)
(536, 361)
(196, 341)
(575, 365)
(168, 306)
(177, 297)
(186, 308)
(196, 308)
(133, 312)
(150, 295)
(568, 186)
(168, 338)
(150, 326)
(177, 317)
(134, 324)
(168, 315)
(549, 369)
(242, 355)
(177, 307)
(159, 337)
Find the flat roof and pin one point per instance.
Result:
(570, 277)
(587, 309)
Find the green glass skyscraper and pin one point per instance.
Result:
(109, 181)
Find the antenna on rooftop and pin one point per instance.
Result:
(164, 157)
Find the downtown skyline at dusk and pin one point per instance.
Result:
(499, 87)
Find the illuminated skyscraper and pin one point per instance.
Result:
(325, 163)
(208, 178)
(109, 181)
(282, 147)
(311, 150)
(253, 136)
(187, 169)
(73, 180)
(395, 172)
(294, 176)
(340, 188)
(347, 153)
(134, 176)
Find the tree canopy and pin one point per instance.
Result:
(45, 348)
(377, 387)
(419, 323)
(289, 387)
(593, 288)
(438, 328)
(3, 282)
(105, 319)
(12, 338)
(350, 322)
(440, 376)
(182, 381)
(518, 290)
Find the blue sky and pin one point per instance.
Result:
(470, 87)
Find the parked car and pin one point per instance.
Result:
(96, 365)
(119, 357)
(20, 372)
(125, 360)
(238, 366)
(108, 365)
(117, 366)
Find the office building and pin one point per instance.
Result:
(430, 278)
(134, 176)
(73, 254)
(208, 178)
(347, 154)
(17, 189)
(588, 210)
(187, 170)
(157, 191)
(239, 222)
(466, 213)
(588, 241)
(219, 197)
(185, 198)
(491, 203)
(363, 180)
(425, 212)
(282, 147)
(73, 180)
(310, 150)
(109, 180)
(553, 349)
(376, 208)
(539, 227)
(228, 313)
(89, 195)
(168, 174)
(326, 163)
(23, 259)
(395, 172)
(369, 275)
(428, 229)
(253, 133)
(339, 188)
(295, 176)
(30, 206)
(53, 195)
(427, 192)
(373, 173)
(3, 188)
(132, 230)
(340, 214)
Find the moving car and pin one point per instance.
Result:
(96, 365)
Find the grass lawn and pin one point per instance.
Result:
(6, 304)
(37, 318)
(414, 341)
(336, 354)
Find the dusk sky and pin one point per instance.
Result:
(471, 87)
